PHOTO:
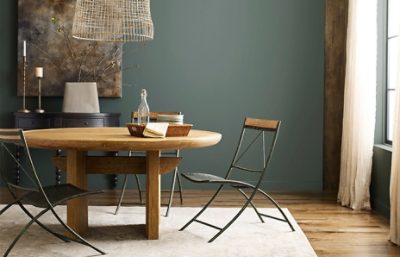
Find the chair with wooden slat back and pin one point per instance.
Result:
(260, 130)
(44, 197)
(176, 174)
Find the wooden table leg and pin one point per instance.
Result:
(153, 194)
(77, 209)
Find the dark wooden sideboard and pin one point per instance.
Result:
(45, 120)
(65, 120)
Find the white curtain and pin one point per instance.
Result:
(395, 171)
(359, 105)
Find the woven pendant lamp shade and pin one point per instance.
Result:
(113, 20)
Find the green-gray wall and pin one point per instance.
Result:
(217, 61)
(380, 180)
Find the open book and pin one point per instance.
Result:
(155, 129)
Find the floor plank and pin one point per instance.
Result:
(333, 231)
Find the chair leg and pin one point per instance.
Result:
(203, 209)
(249, 201)
(278, 207)
(79, 238)
(62, 237)
(221, 230)
(232, 220)
(178, 174)
(22, 232)
(171, 193)
(121, 196)
(137, 182)
(7, 207)
(252, 204)
(139, 188)
(180, 186)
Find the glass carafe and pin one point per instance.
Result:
(143, 109)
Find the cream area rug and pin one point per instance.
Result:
(123, 235)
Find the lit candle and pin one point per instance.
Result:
(39, 72)
(24, 53)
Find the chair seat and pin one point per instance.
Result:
(209, 178)
(202, 177)
(56, 194)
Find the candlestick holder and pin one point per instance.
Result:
(39, 109)
(24, 65)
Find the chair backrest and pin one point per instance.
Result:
(260, 142)
(10, 139)
(153, 115)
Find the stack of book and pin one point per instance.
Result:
(155, 129)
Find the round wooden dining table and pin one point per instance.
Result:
(77, 141)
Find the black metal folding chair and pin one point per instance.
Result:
(260, 130)
(176, 174)
(45, 197)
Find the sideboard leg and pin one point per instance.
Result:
(58, 171)
(115, 176)
(17, 167)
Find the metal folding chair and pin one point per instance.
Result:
(45, 197)
(261, 129)
(176, 174)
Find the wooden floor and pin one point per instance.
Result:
(332, 230)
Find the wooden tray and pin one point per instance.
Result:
(174, 130)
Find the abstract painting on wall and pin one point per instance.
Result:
(46, 25)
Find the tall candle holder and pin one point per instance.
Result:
(24, 65)
(39, 76)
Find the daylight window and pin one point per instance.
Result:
(393, 16)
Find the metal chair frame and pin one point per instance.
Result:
(37, 195)
(271, 126)
(176, 174)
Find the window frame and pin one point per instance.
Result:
(386, 72)
(385, 68)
